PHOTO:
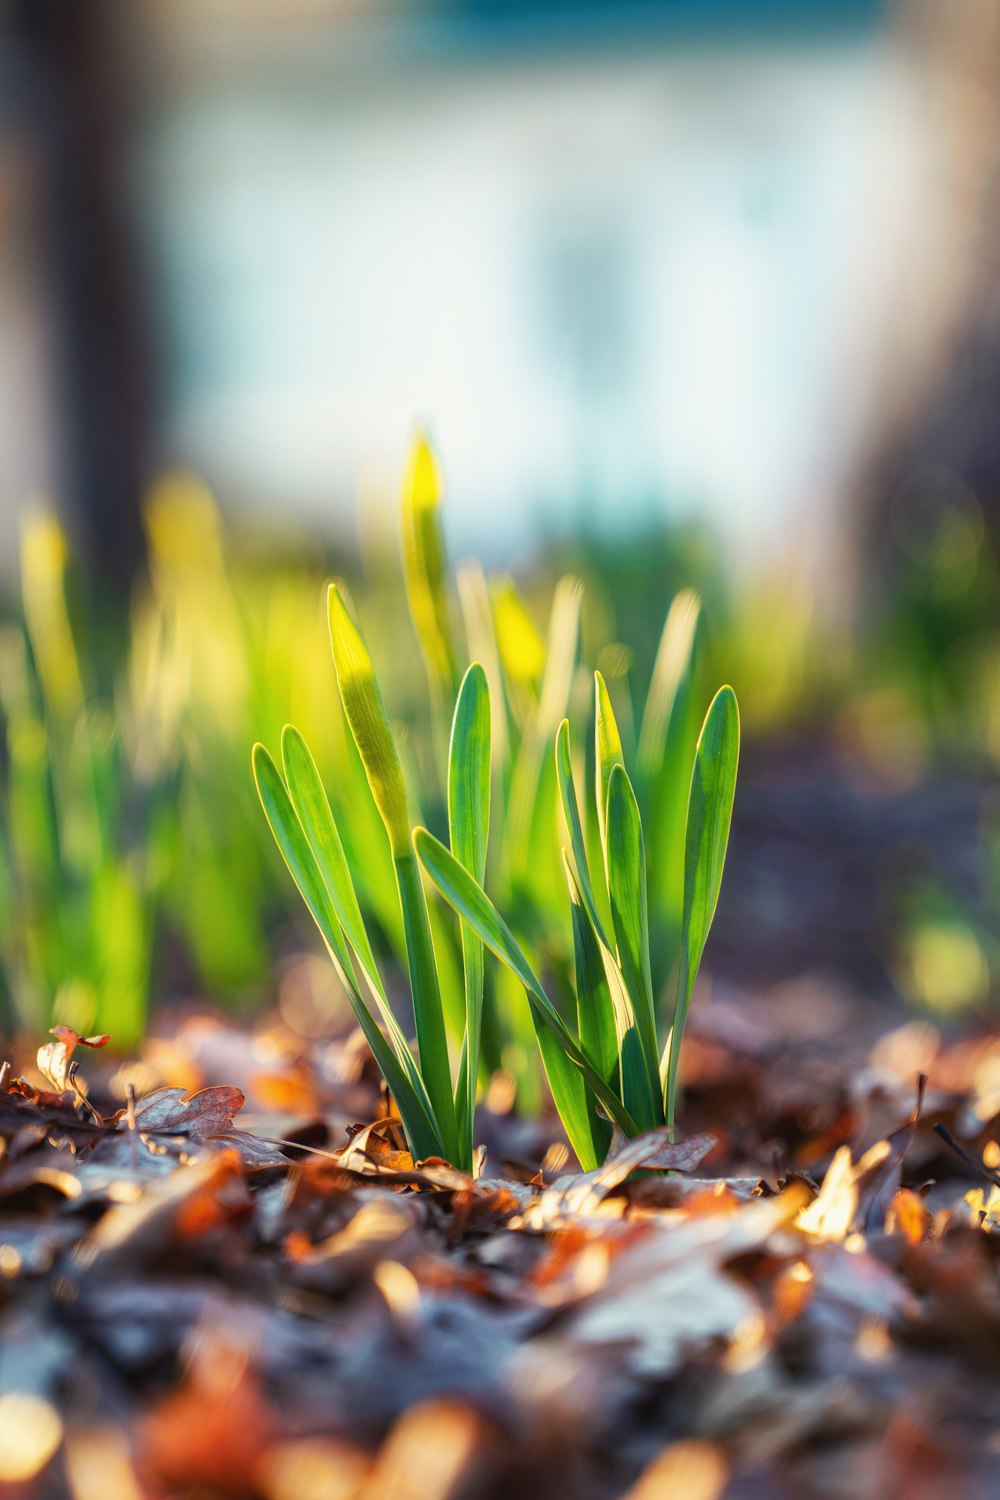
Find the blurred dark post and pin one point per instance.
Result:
(75, 60)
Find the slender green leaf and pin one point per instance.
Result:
(475, 907)
(312, 807)
(594, 1007)
(608, 753)
(573, 1101)
(422, 1132)
(446, 938)
(428, 1012)
(369, 723)
(665, 759)
(521, 648)
(710, 810)
(571, 812)
(298, 856)
(626, 859)
(425, 565)
(672, 666)
(637, 1091)
(468, 826)
(308, 797)
(469, 773)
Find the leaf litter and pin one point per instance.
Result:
(256, 1291)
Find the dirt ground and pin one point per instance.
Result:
(242, 1285)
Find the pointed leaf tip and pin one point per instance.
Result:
(368, 721)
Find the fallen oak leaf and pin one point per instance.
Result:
(831, 1213)
(985, 1208)
(204, 1112)
(369, 1154)
(692, 1468)
(654, 1150)
(909, 1216)
(665, 1294)
(205, 1117)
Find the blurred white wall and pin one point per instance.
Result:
(646, 276)
(611, 283)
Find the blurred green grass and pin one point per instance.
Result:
(134, 865)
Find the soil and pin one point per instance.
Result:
(241, 1285)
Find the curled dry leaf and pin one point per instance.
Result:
(205, 1117)
(373, 1152)
(71, 1038)
(655, 1150)
(55, 1058)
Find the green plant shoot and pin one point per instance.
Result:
(437, 1114)
(608, 1067)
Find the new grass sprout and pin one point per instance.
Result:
(606, 1062)
(79, 828)
(437, 1110)
(610, 1067)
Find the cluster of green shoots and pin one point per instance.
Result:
(78, 825)
(605, 1058)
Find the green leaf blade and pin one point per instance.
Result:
(428, 1011)
(475, 907)
(469, 768)
(297, 853)
(710, 810)
(571, 812)
(312, 807)
(608, 752)
(425, 566)
(665, 758)
(414, 1107)
(626, 860)
(469, 773)
(595, 1008)
(369, 722)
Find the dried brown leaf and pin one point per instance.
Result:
(655, 1150)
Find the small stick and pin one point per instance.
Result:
(74, 1068)
(977, 1167)
(132, 1130)
(4, 1073)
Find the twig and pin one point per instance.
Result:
(977, 1167)
(130, 1118)
(4, 1073)
(74, 1068)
